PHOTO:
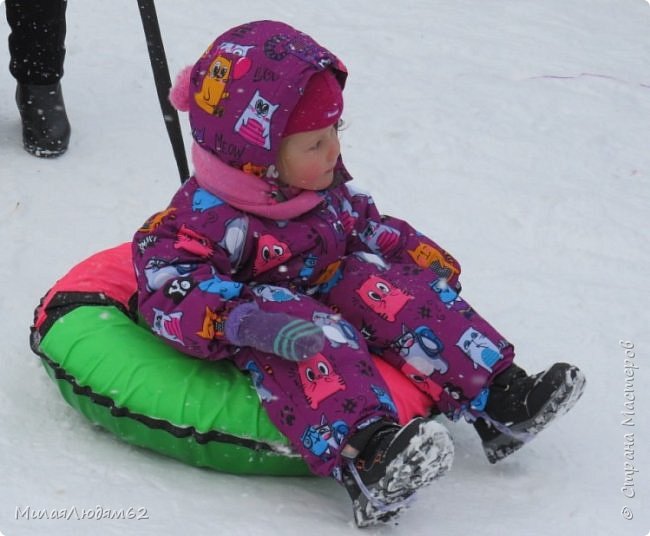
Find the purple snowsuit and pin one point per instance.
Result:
(372, 282)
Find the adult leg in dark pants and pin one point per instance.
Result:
(37, 50)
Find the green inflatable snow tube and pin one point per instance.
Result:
(125, 379)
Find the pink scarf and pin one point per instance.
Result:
(247, 192)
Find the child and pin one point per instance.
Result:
(266, 257)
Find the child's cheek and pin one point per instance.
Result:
(311, 171)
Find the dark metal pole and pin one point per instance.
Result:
(163, 83)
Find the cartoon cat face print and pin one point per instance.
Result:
(271, 252)
(214, 85)
(168, 325)
(382, 297)
(254, 125)
(319, 380)
(427, 256)
(481, 350)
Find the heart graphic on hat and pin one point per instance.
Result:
(242, 66)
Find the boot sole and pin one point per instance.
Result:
(427, 457)
(563, 399)
(43, 153)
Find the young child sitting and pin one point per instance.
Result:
(267, 257)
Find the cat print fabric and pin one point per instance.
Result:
(318, 402)
(373, 284)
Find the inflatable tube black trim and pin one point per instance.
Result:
(64, 302)
(155, 424)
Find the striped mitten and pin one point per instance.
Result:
(276, 333)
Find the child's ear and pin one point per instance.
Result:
(179, 94)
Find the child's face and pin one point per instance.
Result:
(307, 159)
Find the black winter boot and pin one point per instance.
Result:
(394, 463)
(46, 129)
(521, 406)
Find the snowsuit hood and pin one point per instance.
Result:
(240, 95)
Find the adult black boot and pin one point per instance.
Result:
(520, 406)
(46, 129)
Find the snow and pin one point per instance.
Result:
(515, 133)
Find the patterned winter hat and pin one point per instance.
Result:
(241, 93)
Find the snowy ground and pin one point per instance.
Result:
(522, 129)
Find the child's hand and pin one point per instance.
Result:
(276, 333)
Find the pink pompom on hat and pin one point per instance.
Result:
(320, 106)
(179, 95)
